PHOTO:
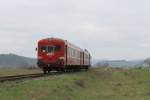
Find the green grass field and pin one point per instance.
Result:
(95, 84)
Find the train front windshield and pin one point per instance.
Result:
(51, 49)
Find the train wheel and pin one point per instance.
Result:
(87, 68)
(49, 70)
(65, 70)
(44, 71)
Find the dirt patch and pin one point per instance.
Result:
(117, 84)
(80, 83)
(69, 88)
(140, 82)
(103, 74)
(68, 98)
(148, 93)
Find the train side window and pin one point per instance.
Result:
(79, 54)
(69, 51)
(86, 56)
(74, 53)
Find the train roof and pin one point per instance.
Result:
(52, 39)
(62, 40)
(83, 50)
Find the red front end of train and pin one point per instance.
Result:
(58, 54)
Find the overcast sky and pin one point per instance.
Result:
(109, 29)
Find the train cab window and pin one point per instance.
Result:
(44, 49)
(57, 48)
(50, 49)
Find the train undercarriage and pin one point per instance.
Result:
(64, 68)
(47, 68)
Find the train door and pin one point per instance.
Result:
(66, 54)
(89, 60)
(81, 58)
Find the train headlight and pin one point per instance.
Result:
(39, 57)
(50, 54)
(62, 58)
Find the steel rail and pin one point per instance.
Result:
(29, 76)
(19, 77)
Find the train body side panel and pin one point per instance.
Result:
(73, 55)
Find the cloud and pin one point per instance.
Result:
(112, 29)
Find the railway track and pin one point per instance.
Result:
(19, 77)
(28, 76)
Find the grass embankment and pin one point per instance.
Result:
(17, 71)
(95, 84)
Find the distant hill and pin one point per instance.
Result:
(119, 63)
(15, 61)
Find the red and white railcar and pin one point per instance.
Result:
(58, 54)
